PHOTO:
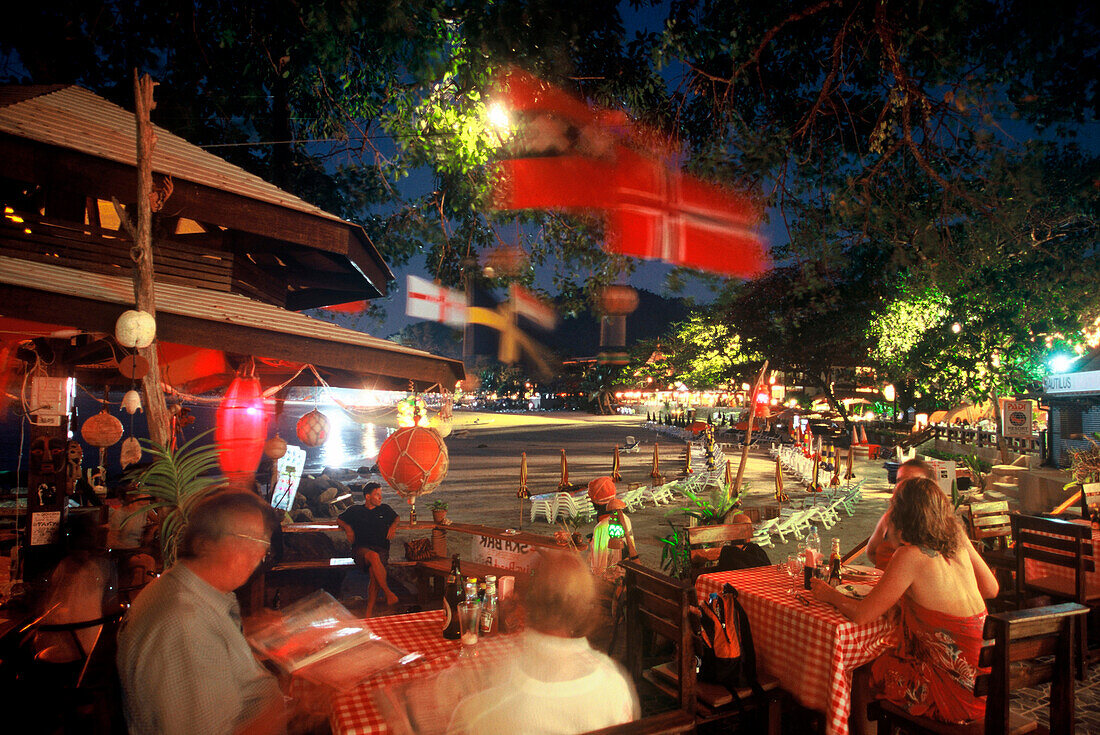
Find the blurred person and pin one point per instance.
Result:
(183, 661)
(370, 528)
(554, 682)
(880, 547)
(938, 582)
(130, 521)
(608, 549)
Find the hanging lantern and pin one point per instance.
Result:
(135, 329)
(131, 452)
(102, 430)
(275, 448)
(312, 429)
(131, 402)
(618, 300)
(414, 461)
(240, 427)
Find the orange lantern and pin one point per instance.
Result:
(414, 461)
(312, 429)
(240, 427)
(617, 300)
(275, 448)
(102, 430)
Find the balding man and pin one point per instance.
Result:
(880, 547)
(184, 663)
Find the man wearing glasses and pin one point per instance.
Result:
(183, 660)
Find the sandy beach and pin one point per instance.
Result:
(485, 451)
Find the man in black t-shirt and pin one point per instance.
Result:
(370, 528)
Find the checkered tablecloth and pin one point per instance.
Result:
(354, 711)
(812, 650)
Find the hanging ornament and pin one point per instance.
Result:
(131, 452)
(240, 426)
(102, 430)
(135, 329)
(131, 402)
(312, 429)
(275, 447)
(414, 461)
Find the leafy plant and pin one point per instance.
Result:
(176, 480)
(710, 512)
(978, 467)
(675, 553)
(439, 505)
(1085, 463)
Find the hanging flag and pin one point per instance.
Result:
(527, 305)
(427, 300)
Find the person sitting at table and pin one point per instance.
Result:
(938, 581)
(554, 683)
(370, 528)
(607, 546)
(880, 547)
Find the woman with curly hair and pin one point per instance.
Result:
(939, 584)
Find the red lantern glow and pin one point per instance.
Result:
(241, 428)
(414, 461)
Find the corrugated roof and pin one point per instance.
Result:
(74, 118)
(196, 303)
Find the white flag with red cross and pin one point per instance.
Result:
(528, 305)
(427, 300)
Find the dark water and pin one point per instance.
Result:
(350, 444)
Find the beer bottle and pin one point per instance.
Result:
(489, 606)
(452, 596)
(834, 564)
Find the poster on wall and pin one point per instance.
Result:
(1016, 418)
(45, 528)
(288, 473)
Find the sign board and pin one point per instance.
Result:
(943, 473)
(1016, 418)
(504, 553)
(1085, 382)
(45, 527)
(288, 471)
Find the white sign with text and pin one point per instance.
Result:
(504, 553)
(1016, 418)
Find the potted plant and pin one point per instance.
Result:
(176, 480)
(439, 511)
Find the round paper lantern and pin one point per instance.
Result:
(240, 427)
(131, 402)
(414, 461)
(102, 430)
(275, 447)
(135, 329)
(312, 428)
(618, 300)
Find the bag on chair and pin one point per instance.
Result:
(724, 641)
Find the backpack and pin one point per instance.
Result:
(724, 641)
(741, 556)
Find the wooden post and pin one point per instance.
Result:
(748, 434)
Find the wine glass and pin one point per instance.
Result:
(794, 570)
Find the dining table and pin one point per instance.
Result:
(807, 645)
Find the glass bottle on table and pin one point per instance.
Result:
(452, 597)
(834, 564)
(489, 606)
(813, 543)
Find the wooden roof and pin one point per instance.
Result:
(67, 138)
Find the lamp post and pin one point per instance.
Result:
(891, 394)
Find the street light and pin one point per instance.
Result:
(890, 394)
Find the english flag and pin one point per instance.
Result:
(427, 300)
(526, 304)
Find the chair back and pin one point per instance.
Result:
(706, 542)
(1090, 498)
(989, 520)
(658, 604)
(1024, 636)
(1064, 545)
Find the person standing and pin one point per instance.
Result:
(613, 536)
(183, 661)
(370, 528)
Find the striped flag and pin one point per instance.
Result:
(526, 304)
(427, 300)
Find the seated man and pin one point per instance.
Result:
(370, 528)
(555, 683)
(880, 547)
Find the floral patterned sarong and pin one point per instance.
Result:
(931, 670)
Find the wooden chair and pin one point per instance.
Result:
(706, 543)
(659, 606)
(1058, 543)
(666, 723)
(989, 526)
(1090, 498)
(1018, 639)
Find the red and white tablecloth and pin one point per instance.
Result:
(811, 649)
(354, 711)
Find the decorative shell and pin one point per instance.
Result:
(102, 430)
(135, 329)
(131, 452)
(131, 402)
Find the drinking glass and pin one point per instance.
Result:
(469, 617)
(794, 570)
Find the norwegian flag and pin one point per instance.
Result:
(526, 304)
(436, 303)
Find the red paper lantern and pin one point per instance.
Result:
(312, 429)
(240, 428)
(414, 461)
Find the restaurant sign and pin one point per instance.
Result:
(504, 553)
(1016, 417)
(1085, 382)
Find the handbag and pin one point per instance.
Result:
(419, 549)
